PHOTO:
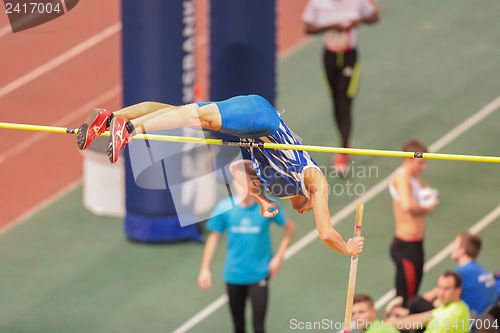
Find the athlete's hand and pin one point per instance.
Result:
(205, 280)
(429, 209)
(355, 246)
(275, 266)
(437, 303)
(435, 203)
(268, 209)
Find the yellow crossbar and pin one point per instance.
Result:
(266, 145)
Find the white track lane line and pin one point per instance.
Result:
(72, 116)
(299, 245)
(5, 30)
(48, 201)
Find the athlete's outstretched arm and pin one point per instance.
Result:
(245, 176)
(317, 188)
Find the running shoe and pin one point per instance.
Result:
(96, 124)
(121, 134)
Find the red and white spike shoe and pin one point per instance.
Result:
(96, 123)
(120, 137)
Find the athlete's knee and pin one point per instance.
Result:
(206, 116)
(191, 115)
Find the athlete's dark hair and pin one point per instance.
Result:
(415, 146)
(362, 298)
(455, 276)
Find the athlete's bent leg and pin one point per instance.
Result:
(243, 116)
(248, 116)
(140, 109)
(190, 115)
(170, 117)
(99, 120)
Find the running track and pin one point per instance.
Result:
(53, 75)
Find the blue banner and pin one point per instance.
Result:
(243, 48)
(158, 65)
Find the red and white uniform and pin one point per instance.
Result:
(321, 13)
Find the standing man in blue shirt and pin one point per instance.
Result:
(249, 260)
(479, 291)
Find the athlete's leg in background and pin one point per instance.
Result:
(342, 76)
(237, 299)
(409, 260)
(259, 293)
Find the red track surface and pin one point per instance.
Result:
(35, 166)
(290, 27)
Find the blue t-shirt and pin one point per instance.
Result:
(249, 248)
(478, 287)
(498, 284)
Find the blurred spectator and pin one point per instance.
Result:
(394, 311)
(364, 316)
(339, 20)
(412, 200)
(249, 260)
(478, 285)
(497, 277)
(451, 316)
(479, 290)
